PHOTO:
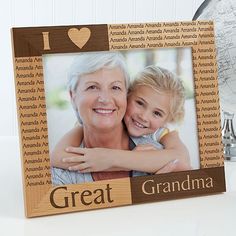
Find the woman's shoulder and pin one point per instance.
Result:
(63, 177)
(132, 144)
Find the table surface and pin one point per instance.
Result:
(208, 215)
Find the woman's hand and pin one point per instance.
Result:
(89, 159)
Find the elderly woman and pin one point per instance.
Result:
(98, 88)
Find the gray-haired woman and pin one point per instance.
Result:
(98, 87)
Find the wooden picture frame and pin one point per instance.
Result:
(30, 44)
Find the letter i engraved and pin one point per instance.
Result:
(46, 45)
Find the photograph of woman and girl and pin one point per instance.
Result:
(122, 129)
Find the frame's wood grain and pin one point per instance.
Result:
(29, 45)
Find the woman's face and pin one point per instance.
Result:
(100, 98)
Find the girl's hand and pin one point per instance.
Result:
(89, 159)
(174, 166)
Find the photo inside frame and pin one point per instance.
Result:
(44, 58)
(61, 116)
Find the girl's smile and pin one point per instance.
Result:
(147, 110)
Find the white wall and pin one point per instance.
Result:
(21, 13)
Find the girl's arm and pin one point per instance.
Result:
(100, 159)
(72, 138)
(175, 143)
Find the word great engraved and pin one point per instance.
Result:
(85, 197)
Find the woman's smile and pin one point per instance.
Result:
(103, 111)
(101, 99)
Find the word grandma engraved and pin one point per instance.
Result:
(150, 186)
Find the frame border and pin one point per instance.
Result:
(29, 44)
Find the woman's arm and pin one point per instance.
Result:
(72, 138)
(100, 159)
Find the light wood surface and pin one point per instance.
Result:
(31, 43)
(212, 215)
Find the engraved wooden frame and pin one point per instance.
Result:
(29, 46)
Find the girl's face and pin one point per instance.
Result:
(100, 99)
(147, 110)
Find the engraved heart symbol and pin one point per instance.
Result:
(79, 37)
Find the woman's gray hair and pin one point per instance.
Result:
(89, 62)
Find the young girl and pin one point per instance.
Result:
(156, 98)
